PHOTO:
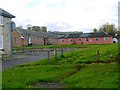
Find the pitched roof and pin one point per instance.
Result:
(86, 35)
(28, 32)
(6, 14)
(49, 34)
(73, 35)
(64, 33)
(97, 34)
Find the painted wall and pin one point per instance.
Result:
(6, 36)
(83, 41)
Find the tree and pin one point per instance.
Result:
(43, 29)
(95, 30)
(36, 28)
(29, 27)
(109, 28)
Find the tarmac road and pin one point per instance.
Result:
(24, 58)
(17, 59)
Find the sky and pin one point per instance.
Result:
(63, 15)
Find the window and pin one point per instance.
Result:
(1, 41)
(16, 40)
(62, 40)
(29, 40)
(79, 39)
(105, 38)
(87, 39)
(96, 38)
(1, 20)
(70, 40)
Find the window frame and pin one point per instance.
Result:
(105, 38)
(62, 40)
(79, 40)
(87, 39)
(71, 40)
(16, 40)
(97, 38)
(1, 20)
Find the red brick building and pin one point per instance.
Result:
(86, 38)
(23, 37)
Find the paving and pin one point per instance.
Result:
(24, 58)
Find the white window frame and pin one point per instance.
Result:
(1, 41)
(62, 40)
(70, 40)
(79, 39)
(29, 40)
(1, 20)
(105, 38)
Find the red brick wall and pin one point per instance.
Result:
(83, 41)
(15, 35)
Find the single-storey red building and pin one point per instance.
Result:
(24, 37)
(86, 38)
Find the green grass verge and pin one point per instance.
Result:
(48, 46)
(21, 77)
(83, 55)
(89, 76)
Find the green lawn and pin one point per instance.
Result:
(49, 46)
(21, 77)
(95, 75)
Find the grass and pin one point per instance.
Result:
(21, 77)
(62, 68)
(84, 55)
(48, 46)
(95, 76)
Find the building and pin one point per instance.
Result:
(6, 26)
(24, 37)
(51, 38)
(86, 38)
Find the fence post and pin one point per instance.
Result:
(98, 55)
(48, 56)
(61, 51)
(55, 53)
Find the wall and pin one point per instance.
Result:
(15, 34)
(6, 36)
(83, 41)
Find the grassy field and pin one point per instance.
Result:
(48, 46)
(72, 69)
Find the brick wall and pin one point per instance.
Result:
(101, 40)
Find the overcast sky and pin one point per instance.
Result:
(63, 15)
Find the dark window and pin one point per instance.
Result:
(96, 38)
(70, 40)
(62, 40)
(87, 39)
(79, 39)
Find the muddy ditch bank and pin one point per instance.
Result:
(56, 83)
